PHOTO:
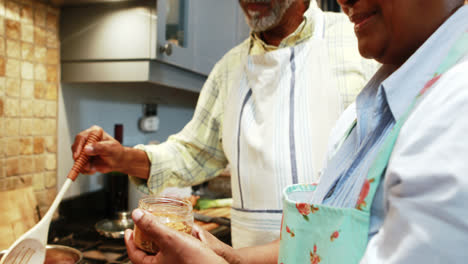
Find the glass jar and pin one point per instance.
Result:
(171, 211)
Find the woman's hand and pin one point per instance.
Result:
(107, 153)
(174, 246)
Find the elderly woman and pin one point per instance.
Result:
(395, 186)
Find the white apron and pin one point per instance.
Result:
(278, 116)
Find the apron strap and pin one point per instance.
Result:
(247, 97)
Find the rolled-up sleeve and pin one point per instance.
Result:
(195, 154)
(426, 183)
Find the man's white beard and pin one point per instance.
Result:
(259, 24)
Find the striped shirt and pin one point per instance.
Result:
(195, 154)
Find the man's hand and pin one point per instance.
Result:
(174, 246)
(107, 153)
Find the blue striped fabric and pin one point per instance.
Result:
(346, 172)
(246, 99)
(292, 140)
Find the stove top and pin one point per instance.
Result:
(96, 249)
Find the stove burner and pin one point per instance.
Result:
(95, 248)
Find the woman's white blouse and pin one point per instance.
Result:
(425, 190)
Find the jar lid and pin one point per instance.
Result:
(166, 204)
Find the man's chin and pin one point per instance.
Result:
(258, 23)
(263, 24)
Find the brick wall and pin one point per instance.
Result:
(29, 80)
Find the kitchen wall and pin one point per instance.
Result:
(29, 73)
(84, 105)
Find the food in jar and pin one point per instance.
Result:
(172, 212)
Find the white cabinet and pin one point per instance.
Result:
(117, 31)
(174, 43)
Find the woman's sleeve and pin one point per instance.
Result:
(426, 183)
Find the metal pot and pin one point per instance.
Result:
(115, 228)
(58, 254)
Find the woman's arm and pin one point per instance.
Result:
(264, 254)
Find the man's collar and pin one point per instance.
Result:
(303, 31)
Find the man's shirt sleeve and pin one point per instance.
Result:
(195, 154)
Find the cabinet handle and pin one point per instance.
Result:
(166, 49)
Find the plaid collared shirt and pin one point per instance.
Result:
(196, 154)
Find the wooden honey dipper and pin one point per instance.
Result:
(82, 159)
(31, 246)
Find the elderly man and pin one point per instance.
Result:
(266, 109)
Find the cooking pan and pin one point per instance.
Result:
(211, 219)
(115, 228)
(58, 254)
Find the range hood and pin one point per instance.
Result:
(144, 71)
(116, 43)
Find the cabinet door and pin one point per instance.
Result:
(116, 31)
(198, 33)
(174, 38)
(220, 26)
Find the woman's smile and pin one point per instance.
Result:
(362, 20)
(389, 31)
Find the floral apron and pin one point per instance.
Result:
(316, 233)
